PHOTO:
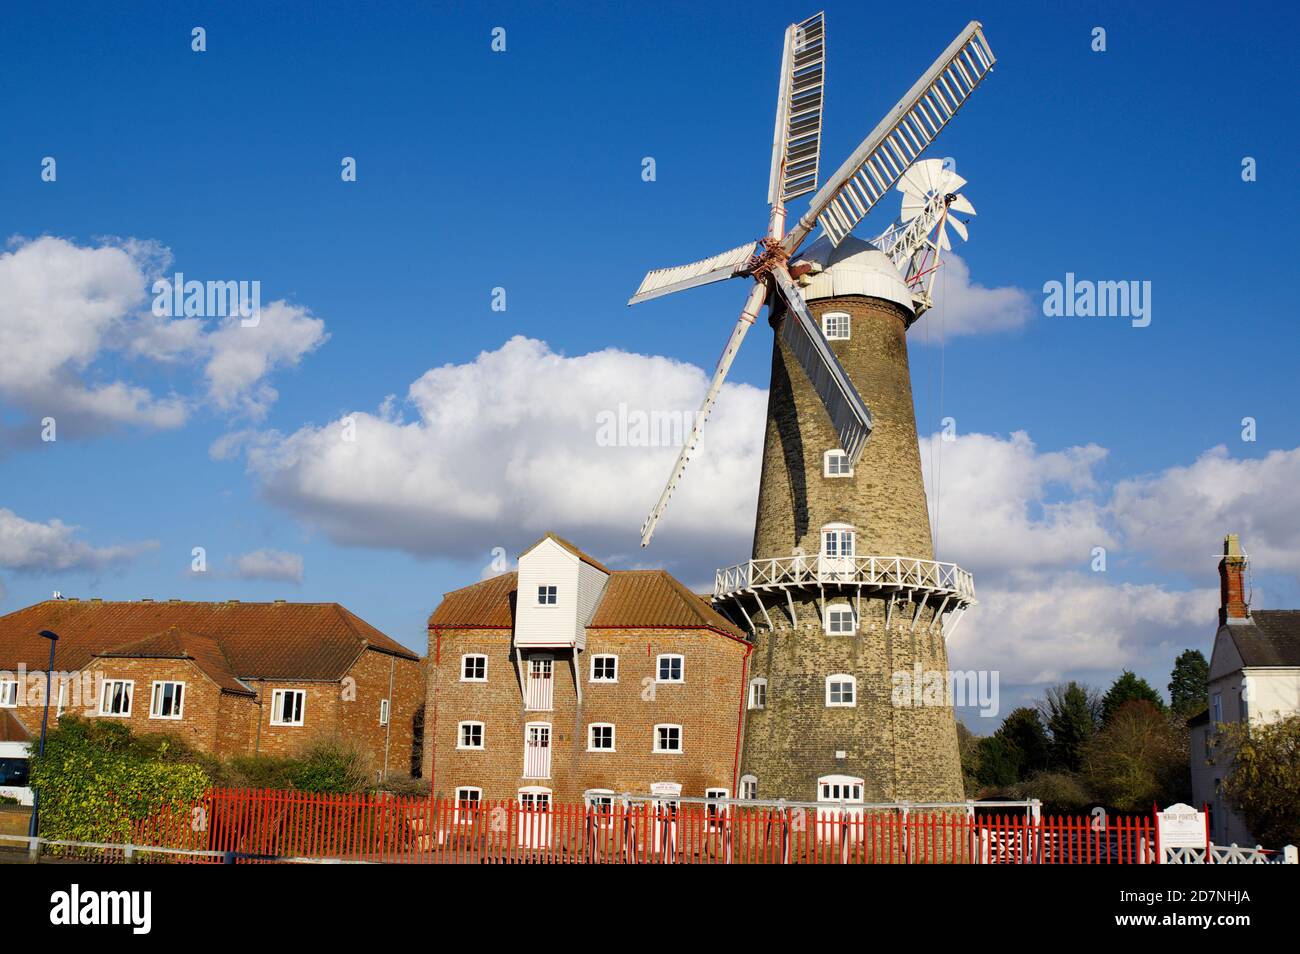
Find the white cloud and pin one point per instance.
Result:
(69, 313)
(29, 546)
(275, 565)
(504, 448)
(1180, 515)
(963, 307)
(240, 358)
(61, 306)
(1068, 625)
(1005, 507)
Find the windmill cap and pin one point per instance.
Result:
(855, 267)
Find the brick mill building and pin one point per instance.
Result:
(567, 681)
(230, 678)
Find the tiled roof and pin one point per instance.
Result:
(1271, 638)
(654, 598)
(176, 643)
(259, 640)
(488, 604)
(633, 599)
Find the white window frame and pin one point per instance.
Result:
(681, 743)
(591, 736)
(604, 679)
(840, 608)
(839, 530)
(835, 454)
(712, 821)
(154, 699)
(468, 656)
(463, 795)
(659, 661)
(841, 677)
(548, 594)
(758, 693)
(384, 710)
(460, 735)
(277, 707)
(848, 325)
(843, 781)
(105, 692)
(600, 802)
(8, 693)
(63, 698)
(749, 787)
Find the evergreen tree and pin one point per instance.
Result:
(1023, 729)
(1129, 687)
(1071, 713)
(1189, 683)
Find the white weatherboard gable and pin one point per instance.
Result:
(577, 589)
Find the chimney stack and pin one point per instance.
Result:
(1232, 588)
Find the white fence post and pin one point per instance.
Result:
(1290, 856)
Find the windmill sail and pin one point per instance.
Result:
(747, 316)
(665, 281)
(796, 141)
(848, 412)
(898, 139)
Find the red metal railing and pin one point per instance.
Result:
(258, 825)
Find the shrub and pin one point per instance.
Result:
(1062, 793)
(94, 781)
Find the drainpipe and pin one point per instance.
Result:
(388, 727)
(740, 722)
(257, 701)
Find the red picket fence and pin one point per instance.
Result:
(268, 826)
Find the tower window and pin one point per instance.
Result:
(670, 668)
(839, 620)
(749, 786)
(758, 693)
(546, 596)
(835, 325)
(836, 464)
(841, 690)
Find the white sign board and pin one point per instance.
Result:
(1181, 826)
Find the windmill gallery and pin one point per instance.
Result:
(567, 680)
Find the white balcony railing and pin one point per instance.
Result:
(869, 572)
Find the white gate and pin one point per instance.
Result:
(534, 817)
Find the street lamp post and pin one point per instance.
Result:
(45, 721)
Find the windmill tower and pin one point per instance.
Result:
(847, 608)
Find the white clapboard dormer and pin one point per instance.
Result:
(559, 590)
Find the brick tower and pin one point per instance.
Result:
(842, 592)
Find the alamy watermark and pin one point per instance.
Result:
(1084, 298)
(634, 427)
(179, 298)
(918, 687)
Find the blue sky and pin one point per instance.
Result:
(522, 170)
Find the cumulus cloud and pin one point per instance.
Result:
(35, 547)
(965, 307)
(274, 565)
(1179, 516)
(68, 311)
(1004, 506)
(522, 440)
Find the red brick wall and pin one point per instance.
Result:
(228, 725)
(706, 705)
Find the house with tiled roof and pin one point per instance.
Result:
(565, 680)
(228, 677)
(1254, 679)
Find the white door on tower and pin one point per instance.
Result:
(535, 817)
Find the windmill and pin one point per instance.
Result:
(886, 156)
